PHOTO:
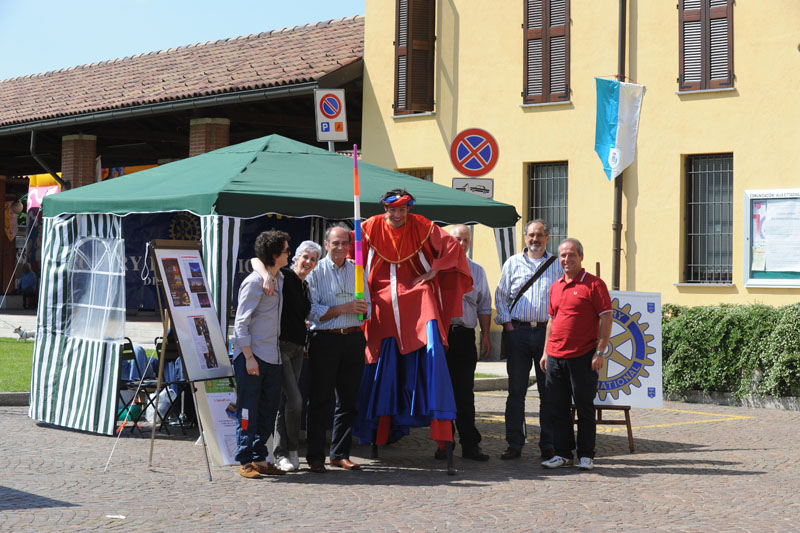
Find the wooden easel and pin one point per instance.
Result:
(167, 321)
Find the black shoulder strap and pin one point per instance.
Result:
(539, 272)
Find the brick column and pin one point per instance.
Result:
(78, 153)
(207, 134)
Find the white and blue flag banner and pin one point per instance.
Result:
(618, 107)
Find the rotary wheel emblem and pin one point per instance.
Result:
(184, 227)
(627, 357)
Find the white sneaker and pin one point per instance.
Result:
(294, 459)
(285, 464)
(585, 463)
(557, 462)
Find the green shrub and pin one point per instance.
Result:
(741, 349)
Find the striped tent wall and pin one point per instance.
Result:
(74, 381)
(220, 238)
(506, 239)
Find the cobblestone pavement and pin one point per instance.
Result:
(696, 468)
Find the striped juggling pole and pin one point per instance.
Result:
(359, 289)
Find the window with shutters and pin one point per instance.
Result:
(547, 186)
(546, 51)
(709, 219)
(414, 56)
(706, 44)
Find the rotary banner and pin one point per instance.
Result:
(631, 374)
(618, 107)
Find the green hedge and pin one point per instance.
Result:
(741, 349)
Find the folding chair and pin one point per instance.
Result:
(130, 380)
(173, 382)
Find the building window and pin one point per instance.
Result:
(706, 44)
(97, 296)
(414, 56)
(547, 185)
(421, 173)
(546, 49)
(709, 219)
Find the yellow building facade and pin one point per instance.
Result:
(699, 148)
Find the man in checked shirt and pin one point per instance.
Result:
(524, 325)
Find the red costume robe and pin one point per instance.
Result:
(415, 305)
(403, 311)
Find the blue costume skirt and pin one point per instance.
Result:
(413, 389)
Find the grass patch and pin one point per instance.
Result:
(481, 375)
(16, 361)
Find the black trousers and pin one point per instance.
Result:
(572, 377)
(336, 363)
(462, 358)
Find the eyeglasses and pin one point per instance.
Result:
(287, 251)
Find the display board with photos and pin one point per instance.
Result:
(179, 264)
(772, 238)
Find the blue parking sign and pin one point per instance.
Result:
(325, 126)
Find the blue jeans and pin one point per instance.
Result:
(260, 396)
(525, 345)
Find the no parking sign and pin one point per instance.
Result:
(474, 152)
(330, 114)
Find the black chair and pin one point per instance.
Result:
(131, 381)
(181, 390)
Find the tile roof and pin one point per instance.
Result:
(279, 57)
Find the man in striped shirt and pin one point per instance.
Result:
(335, 353)
(524, 325)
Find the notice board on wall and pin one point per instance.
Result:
(772, 238)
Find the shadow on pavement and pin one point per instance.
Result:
(11, 499)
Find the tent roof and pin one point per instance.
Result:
(272, 174)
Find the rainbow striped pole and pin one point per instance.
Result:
(359, 289)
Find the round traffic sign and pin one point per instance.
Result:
(330, 105)
(474, 152)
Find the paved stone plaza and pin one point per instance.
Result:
(696, 468)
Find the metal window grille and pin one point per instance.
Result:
(548, 199)
(709, 219)
(421, 173)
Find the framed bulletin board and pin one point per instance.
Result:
(194, 320)
(772, 238)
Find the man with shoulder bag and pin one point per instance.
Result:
(521, 300)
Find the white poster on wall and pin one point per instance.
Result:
(632, 372)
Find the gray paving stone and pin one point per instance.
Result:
(696, 468)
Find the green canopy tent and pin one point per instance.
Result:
(74, 382)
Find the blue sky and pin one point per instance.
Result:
(42, 35)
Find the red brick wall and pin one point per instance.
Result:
(78, 153)
(207, 134)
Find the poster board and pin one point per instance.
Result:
(632, 372)
(772, 238)
(194, 320)
(216, 405)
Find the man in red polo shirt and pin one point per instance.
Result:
(576, 339)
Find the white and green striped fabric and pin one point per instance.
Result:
(506, 239)
(220, 238)
(74, 381)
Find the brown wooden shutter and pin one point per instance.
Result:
(421, 17)
(401, 59)
(690, 46)
(533, 50)
(546, 51)
(706, 44)
(720, 56)
(558, 20)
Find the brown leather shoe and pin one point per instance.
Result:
(345, 463)
(268, 469)
(250, 470)
(317, 466)
(511, 453)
